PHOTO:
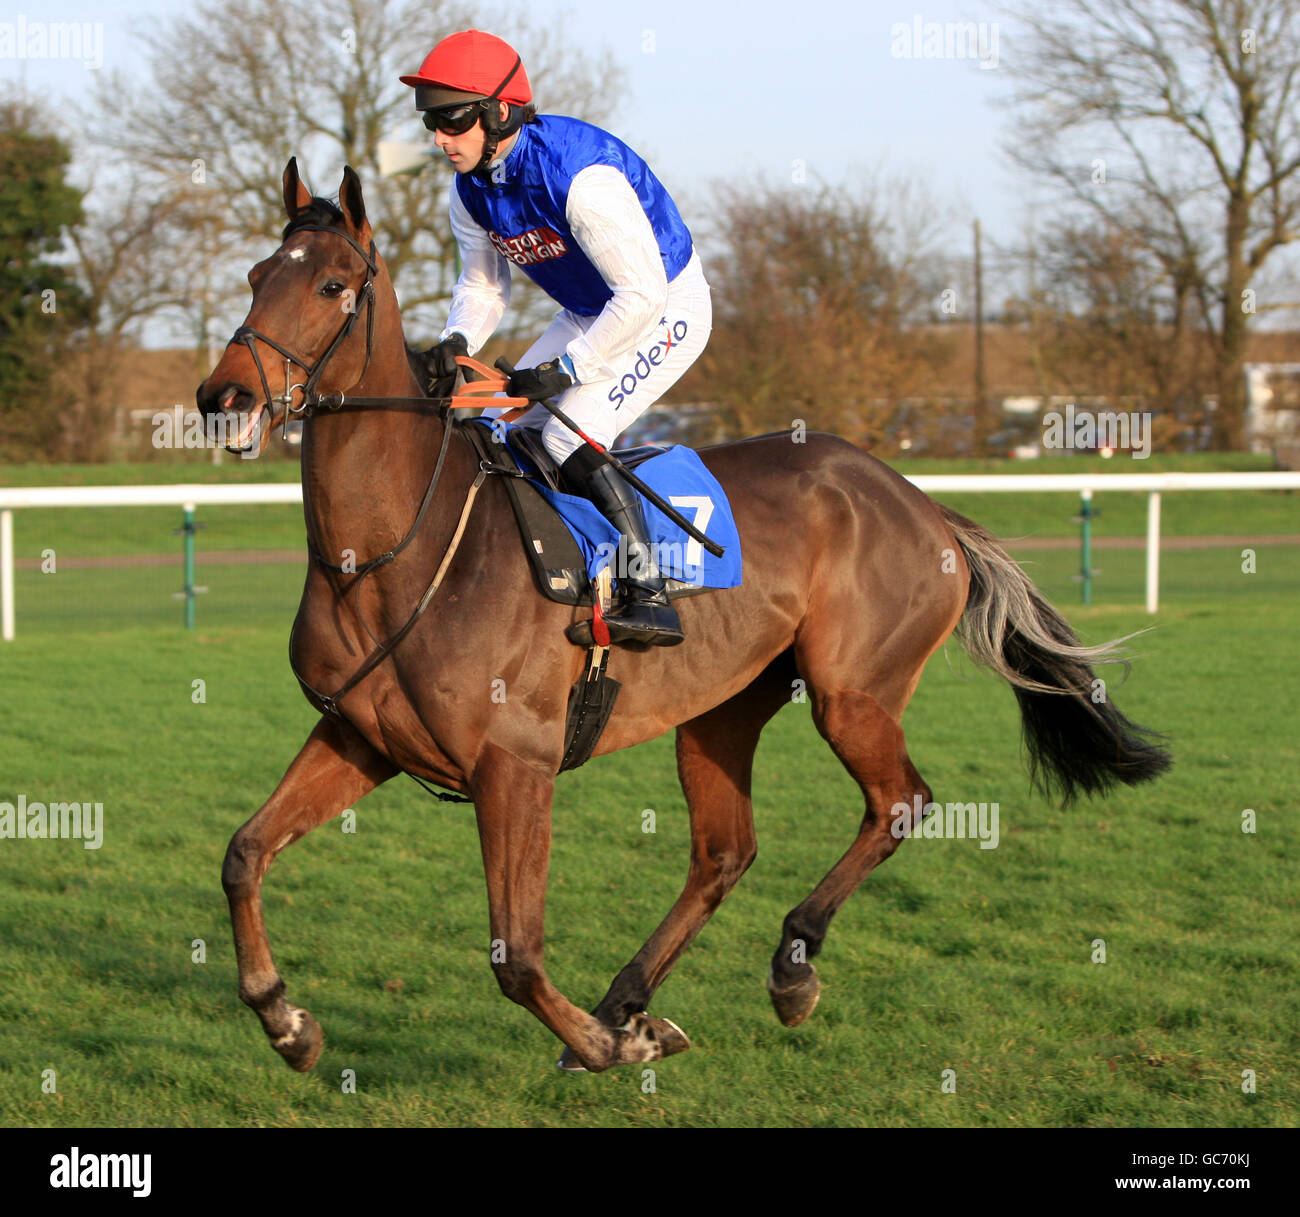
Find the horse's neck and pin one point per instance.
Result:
(365, 470)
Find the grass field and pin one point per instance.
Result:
(948, 958)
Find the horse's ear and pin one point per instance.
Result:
(350, 200)
(296, 196)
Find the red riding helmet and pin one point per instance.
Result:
(467, 67)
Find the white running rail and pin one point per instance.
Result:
(14, 498)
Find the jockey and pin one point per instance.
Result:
(583, 216)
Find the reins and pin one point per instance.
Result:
(471, 397)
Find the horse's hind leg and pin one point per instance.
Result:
(715, 755)
(869, 741)
(334, 769)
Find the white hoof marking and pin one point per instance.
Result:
(285, 1040)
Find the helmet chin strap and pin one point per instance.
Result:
(494, 131)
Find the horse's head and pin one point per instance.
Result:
(305, 334)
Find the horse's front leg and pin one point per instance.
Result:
(334, 769)
(512, 800)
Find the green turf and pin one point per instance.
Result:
(124, 473)
(1183, 513)
(949, 957)
(102, 599)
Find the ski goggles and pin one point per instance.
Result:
(455, 120)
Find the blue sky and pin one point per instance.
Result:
(840, 91)
(733, 90)
(728, 90)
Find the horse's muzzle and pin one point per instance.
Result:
(233, 418)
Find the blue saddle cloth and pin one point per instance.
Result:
(679, 477)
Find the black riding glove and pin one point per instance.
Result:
(440, 359)
(545, 380)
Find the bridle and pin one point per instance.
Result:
(365, 299)
(471, 397)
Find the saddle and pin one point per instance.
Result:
(559, 570)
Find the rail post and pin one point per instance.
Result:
(1153, 550)
(1085, 518)
(190, 591)
(7, 575)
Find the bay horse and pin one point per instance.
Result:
(853, 578)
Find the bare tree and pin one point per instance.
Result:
(124, 280)
(235, 88)
(1102, 318)
(1175, 122)
(819, 299)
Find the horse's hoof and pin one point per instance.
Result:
(651, 1039)
(640, 1039)
(675, 1039)
(569, 1062)
(301, 1047)
(794, 1004)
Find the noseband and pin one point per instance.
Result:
(310, 399)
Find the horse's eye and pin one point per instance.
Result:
(332, 289)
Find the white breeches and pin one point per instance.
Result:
(605, 408)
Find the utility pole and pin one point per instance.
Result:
(981, 403)
(207, 341)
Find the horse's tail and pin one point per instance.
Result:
(1077, 739)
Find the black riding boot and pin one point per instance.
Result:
(646, 615)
